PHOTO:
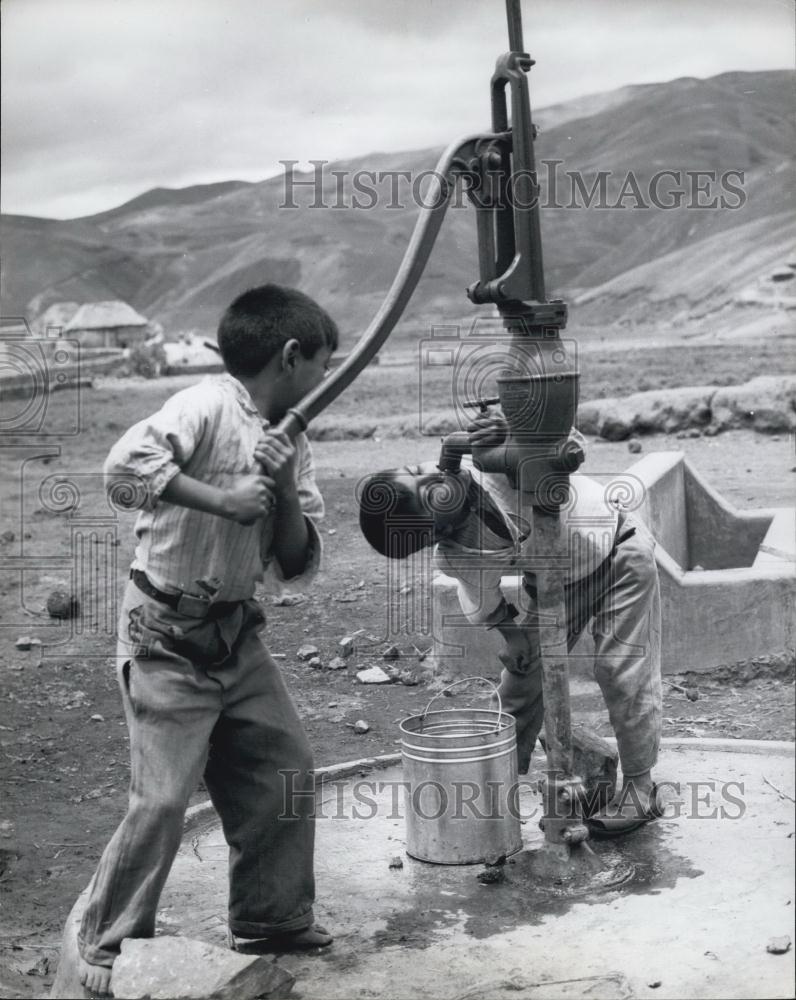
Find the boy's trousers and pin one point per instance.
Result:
(622, 597)
(203, 696)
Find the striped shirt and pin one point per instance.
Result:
(209, 432)
(478, 557)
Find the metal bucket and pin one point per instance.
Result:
(460, 783)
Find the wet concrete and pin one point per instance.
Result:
(688, 902)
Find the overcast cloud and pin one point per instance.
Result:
(103, 99)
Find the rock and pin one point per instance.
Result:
(288, 600)
(7, 537)
(39, 968)
(692, 693)
(634, 446)
(315, 663)
(178, 968)
(660, 410)
(391, 653)
(361, 727)
(409, 678)
(97, 718)
(492, 875)
(336, 663)
(346, 645)
(24, 642)
(436, 425)
(61, 604)
(765, 403)
(778, 945)
(397, 863)
(373, 675)
(307, 652)
(655, 984)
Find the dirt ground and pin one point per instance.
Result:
(62, 737)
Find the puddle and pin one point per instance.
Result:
(450, 898)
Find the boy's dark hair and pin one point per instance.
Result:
(261, 321)
(390, 517)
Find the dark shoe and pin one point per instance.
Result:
(305, 939)
(605, 827)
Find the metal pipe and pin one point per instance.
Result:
(454, 160)
(514, 18)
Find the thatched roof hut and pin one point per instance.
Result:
(107, 324)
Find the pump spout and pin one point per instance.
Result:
(454, 447)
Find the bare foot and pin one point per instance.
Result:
(96, 978)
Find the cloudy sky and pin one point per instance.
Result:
(103, 99)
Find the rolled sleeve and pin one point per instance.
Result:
(153, 451)
(477, 583)
(313, 509)
(310, 499)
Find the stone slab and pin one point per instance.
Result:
(180, 968)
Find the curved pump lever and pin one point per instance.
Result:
(458, 159)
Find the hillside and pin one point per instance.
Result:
(178, 256)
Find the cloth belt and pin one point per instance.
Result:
(488, 511)
(622, 531)
(173, 600)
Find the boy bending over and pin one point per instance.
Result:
(482, 532)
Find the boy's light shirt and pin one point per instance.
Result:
(209, 432)
(589, 523)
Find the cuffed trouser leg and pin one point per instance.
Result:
(170, 712)
(260, 778)
(627, 662)
(521, 696)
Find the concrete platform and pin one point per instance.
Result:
(686, 907)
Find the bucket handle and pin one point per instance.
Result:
(464, 680)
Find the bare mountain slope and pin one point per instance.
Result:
(179, 256)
